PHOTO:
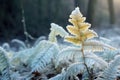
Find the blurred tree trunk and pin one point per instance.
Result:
(111, 11)
(91, 11)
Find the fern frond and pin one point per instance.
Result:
(15, 75)
(28, 55)
(70, 73)
(24, 55)
(56, 30)
(61, 76)
(6, 46)
(4, 66)
(105, 40)
(67, 56)
(80, 29)
(94, 60)
(109, 55)
(39, 39)
(73, 30)
(78, 67)
(43, 61)
(84, 26)
(75, 69)
(74, 54)
(94, 46)
(73, 40)
(21, 76)
(20, 43)
(90, 34)
(110, 73)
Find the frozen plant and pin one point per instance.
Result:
(47, 60)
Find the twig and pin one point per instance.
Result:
(27, 35)
(24, 23)
(82, 50)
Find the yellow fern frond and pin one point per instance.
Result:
(73, 30)
(76, 13)
(73, 40)
(74, 22)
(84, 26)
(78, 19)
(90, 34)
(80, 29)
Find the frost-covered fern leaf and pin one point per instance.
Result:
(6, 46)
(4, 66)
(93, 60)
(93, 45)
(109, 55)
(105, 40)
(39, 39)
(75, 69)
(68, 56)
(61, 76)
(20, 43)
(74, 54)
(22, 56)
(56, 30)
(110, 73)
(71, 72)
(28, 55)
(43, 61)
(42, 46)
(15, 75)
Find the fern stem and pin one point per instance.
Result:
(82, 50)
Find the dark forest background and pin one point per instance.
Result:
(39, 14)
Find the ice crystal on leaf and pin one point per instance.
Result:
(56, 30)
